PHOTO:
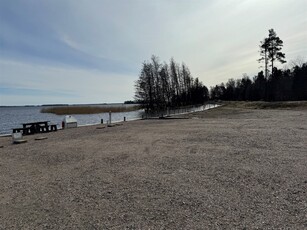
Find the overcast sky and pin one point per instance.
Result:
(91, 51)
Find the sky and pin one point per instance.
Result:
(91, 51)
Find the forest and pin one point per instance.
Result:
(281, 85)
(162, 85)
(271, 85)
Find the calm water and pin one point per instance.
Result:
(13, 117)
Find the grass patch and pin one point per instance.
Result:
(267, 105)
(66, 110)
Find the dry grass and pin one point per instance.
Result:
(267, 105)
(64, 110)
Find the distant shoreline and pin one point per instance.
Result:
(50, 105)
(65, 110)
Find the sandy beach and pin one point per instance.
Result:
(226, 168)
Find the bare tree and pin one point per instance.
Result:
(160, 86)
(298, 61)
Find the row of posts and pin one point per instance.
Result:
(168, 112)
(110, 119)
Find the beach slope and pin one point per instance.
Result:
(223, 168)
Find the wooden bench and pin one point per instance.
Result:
(43, 129)
(36, 127)
(53, 128)
(24, 131)
(49, 128)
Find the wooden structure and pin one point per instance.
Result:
(36, 127)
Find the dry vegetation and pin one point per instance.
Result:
(267, 105)
(64, 110)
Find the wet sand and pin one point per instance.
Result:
(219, 169)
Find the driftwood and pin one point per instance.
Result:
(40, 138)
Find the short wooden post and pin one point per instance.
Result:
(101, 121)
(124, 118)
(110, 117)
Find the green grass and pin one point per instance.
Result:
(267, 105)
(66, 110)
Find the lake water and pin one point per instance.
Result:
(13, 117)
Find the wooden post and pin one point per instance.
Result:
(110, 117)
(124, 118)
(101, 121)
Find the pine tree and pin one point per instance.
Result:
(264, 55)
(270, 50)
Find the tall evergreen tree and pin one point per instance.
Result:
(264, 55)
(270, 51)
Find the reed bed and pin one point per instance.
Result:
(66, 110)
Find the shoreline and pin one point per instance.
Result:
(290, 105)
(132, 119)
(226, 167)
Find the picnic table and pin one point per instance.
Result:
(35, 127)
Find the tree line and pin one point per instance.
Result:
(162, 85)
(282, 85)
(271, 85)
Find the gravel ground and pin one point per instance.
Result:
(220, 169)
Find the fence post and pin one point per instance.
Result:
(110, 117)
